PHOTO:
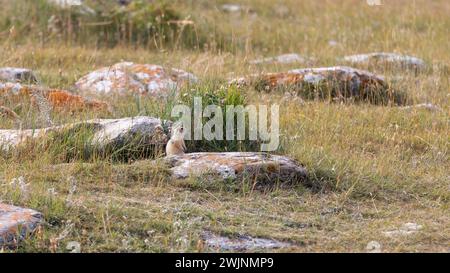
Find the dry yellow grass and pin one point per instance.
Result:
(375, 167)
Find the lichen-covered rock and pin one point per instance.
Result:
(263, 167)
(15, 74)
(137, 134)
(130, 78)
(387, 59)
(281, 59)
(16, 223)
(335, 82)
(60, 100)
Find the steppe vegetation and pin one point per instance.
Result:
(372, 167)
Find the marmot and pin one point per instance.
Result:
(176, 145)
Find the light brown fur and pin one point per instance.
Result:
(176, 145)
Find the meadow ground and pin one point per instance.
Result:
(374, 167)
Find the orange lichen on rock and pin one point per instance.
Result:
(339, 77)
(130, 78)
(273, 80)
(16, 223)
(60, 100)
(338, 82)
(63, 100)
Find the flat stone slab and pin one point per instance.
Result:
(104, 133)
(130, 78)
(390, 59)
(15, 74)
(231, 8)
(264, 167)
(281, 59)
(79, 5)
(59, 100)
(340, 81)
(17, 223)
(423, 106)
(406, 229)
(241, 243)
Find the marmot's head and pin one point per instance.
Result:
(177, 132)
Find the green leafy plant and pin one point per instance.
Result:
(216, 94)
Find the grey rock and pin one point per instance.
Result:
(73, 247)
(240, 243)
(383, 58)
(137, 132)
(77, 4)
(265, 168)
(15, 74)
(406, 229)
(231, 8)
(425, 106)
(373, 247)
(281, 59)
